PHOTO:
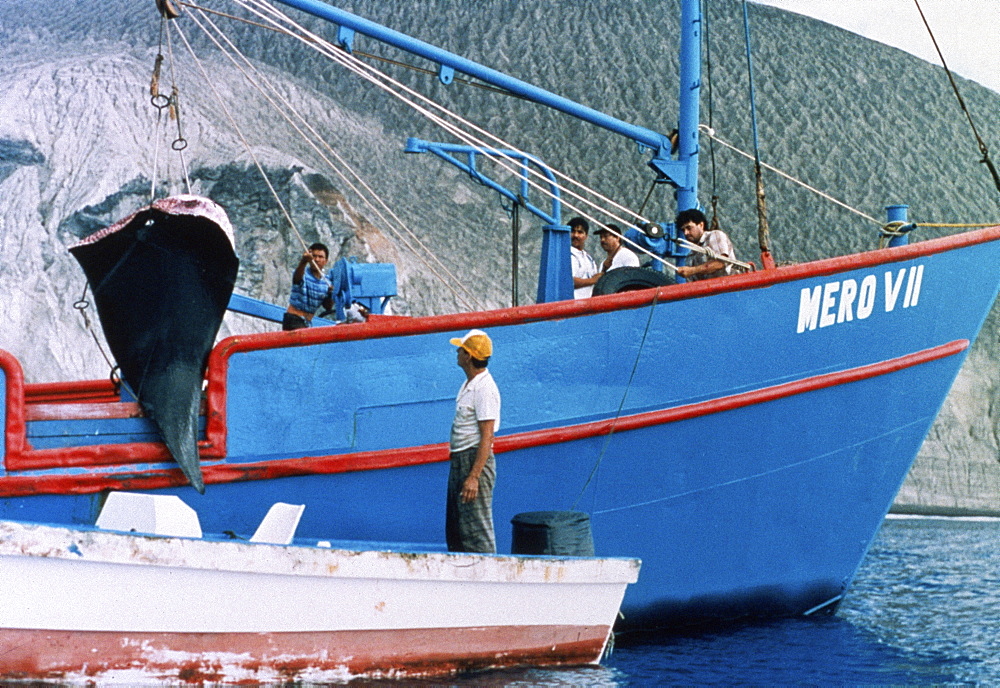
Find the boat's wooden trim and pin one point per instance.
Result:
(64, 410)
(103, 455)
(76, 392)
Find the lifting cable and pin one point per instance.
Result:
(174, 110)
(427, 107)
(979, 139)
(398, 227)
(714, 222)
(763, 233)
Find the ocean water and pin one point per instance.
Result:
(924, 610)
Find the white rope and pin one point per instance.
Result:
(399, 228)
(387, 83)
(708, 131)
(712, 255)
(239, 133)
(173, 83)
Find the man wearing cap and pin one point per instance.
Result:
(619, 256)
(469, 513)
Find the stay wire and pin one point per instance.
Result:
(387, 83)
(399, 228)
(621, 405)
(709, 81)
(983, 149)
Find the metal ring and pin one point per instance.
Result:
(159, 101)
(179, 144)
(81, 305)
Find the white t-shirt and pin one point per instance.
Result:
(583, 267)
(478, 399)
(624, 259)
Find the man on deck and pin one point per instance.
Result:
(310, 289)
(469, 512)
(700, 265)
(584, 266)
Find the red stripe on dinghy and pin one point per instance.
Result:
(11, 485)
(246, 657)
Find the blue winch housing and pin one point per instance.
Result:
(368, 284)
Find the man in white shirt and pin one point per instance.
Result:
(618, 255)
(472, 472)
(584, 266)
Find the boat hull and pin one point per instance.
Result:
(743, 436)
(173, 609)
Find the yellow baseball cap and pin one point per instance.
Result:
(477, 343)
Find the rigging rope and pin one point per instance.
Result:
(763, 232)
(979, 139)
(388, 84)
(712, 135)
(709, 81)
(399, 228)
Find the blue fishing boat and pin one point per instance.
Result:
(744, 436)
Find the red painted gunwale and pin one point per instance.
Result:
(19, 455)
(217, 473)
(205, 657)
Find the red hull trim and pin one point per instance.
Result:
(396, 458)
(286, 657)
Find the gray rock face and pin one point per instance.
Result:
(81, 146)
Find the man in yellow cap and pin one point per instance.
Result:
(469, 513)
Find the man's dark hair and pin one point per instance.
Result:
(478, 362)
(580, 222)
(320, 247)
(690, 215)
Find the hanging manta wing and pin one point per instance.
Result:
(161, 280)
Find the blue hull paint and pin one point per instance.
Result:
(762, 509)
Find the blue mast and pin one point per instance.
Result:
(689, 105)
(555, 279)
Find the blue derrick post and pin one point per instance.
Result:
(689, 106)
(555, 275)
(555, 281)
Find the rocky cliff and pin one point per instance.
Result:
(81, 146)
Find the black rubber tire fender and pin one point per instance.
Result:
(630, 279)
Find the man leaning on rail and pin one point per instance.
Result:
(700, 265)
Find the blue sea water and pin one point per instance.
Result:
(924, 610)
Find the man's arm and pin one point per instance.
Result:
(470, 488)
(686, 271)
(300, 270)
